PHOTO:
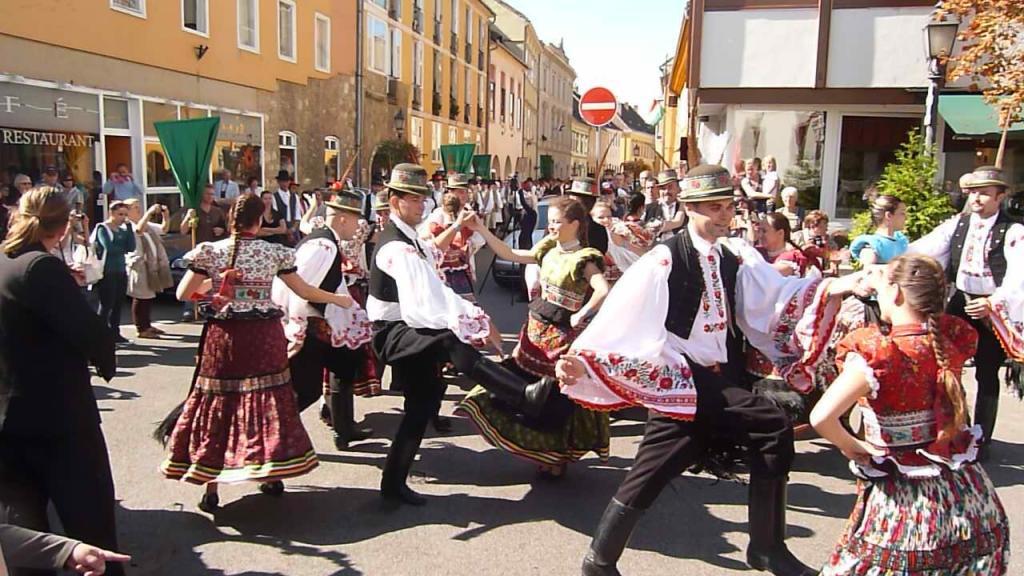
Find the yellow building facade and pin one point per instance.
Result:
(425, 69)
(507, 77)
(267, 68)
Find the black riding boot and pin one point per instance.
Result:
(986, 407)
(508, 387)
(343, 417)
(610, 540)
(767, 549)
(393, 487)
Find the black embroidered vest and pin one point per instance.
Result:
(686, 287)
(996, 257)
(334, 276)
(381, 285)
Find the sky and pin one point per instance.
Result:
(618, 44)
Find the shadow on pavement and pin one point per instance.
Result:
(1005, 466)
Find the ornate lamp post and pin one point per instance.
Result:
(400, 123)
(940, 36)
(636, 173)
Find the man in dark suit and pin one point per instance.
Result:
(667, 209)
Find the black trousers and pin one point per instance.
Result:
(307, 370)
(990, 356)
(72, 471)
(112, 290)
(724, 409)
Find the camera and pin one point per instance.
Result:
(820, 241)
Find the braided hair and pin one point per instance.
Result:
(923, 284)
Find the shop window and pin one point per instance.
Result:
(332, 160)
(249, 25)
(287, 142)
(190, 113)
(158, 167)
(869, 143)
(238, 147)
(115, 113)
(133, 7)
(435, 142)
(322, 42)
(156, 112)
(195, 16)
(286, 30)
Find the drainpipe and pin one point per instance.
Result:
(360, 31)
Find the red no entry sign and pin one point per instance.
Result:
(598, 106)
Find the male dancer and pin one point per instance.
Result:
(666, 209)
(678, 350)
(325, 337)
(583, 188)
(976, 248)
(419, 324)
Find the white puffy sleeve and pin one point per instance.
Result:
(937, 242)
(789, 319)
(425, 300)
(631, 359)
(1008, 300)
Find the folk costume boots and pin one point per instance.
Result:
(509, 388)
(343, 416)
(611, 538)
(767, 549)
(986, 407)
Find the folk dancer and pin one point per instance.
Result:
(572, 290)
(975, 249)
(240, 421)
(627, 241)
(670, 338)
(419, 324)
(924, 505)
(325, 341)
(458, 244)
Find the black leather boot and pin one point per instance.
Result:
(393, 487)
(343, 416)
(767, 549)
(610, 540)
(508, 387)
(986, 407)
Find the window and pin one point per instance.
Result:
(133, 7)
(417, 70)
(455, 16)
(469, 31)
(286, 143)
(332, 161)
(467, 89)
(382, 3)
(286, 30)
(195, 16)
(238, 147)
(322, 42)
(435, 142)
(396, 10)
(490, 98)
(437, 74)
(378, 38)
(453, 135)
(416, 129)
(396, 53)
(249, 25)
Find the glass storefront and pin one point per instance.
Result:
(868, 144)
(238, 148)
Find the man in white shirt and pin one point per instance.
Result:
(667, 211)
(289, 204)
(225, 190)
(977, 249)
(419, 325)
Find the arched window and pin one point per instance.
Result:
(332, 159)
(287, 145)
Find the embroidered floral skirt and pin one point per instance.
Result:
(240, 421)
(460, 282)
(949, 525)
(549, 443)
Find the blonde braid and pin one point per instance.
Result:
(950, 380)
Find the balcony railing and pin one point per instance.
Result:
(453, 108)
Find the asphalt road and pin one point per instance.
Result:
(488, 513)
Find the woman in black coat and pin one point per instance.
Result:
(51, 444)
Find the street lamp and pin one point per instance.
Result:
(636, 172)
(939, 39)
(400, 123)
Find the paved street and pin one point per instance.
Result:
(488, 512)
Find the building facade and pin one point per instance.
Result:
(582, 157)
(507, 78)
(88, 102)
(425, 68)
(638, 144)
(557, 80)
(830, 89)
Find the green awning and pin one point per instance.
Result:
(969, 114)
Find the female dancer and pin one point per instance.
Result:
(457, 243)
(888, 214)
(924, 507)
(240, 421)
(569, 270)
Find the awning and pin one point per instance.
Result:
(969, 114)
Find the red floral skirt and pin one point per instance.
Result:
(540, 346)
(240, 421)
(369, 370)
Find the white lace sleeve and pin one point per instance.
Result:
(857, 363)
(426, 302)
(936, 243)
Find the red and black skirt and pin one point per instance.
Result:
(241, 420)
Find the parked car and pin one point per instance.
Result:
(510, 274)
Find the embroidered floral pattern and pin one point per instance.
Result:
(256, 263)
(665, 388)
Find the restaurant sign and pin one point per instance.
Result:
(33, 137)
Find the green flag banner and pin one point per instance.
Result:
(189, 148)
(482, 165)
(457, 157)
(547, 166)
